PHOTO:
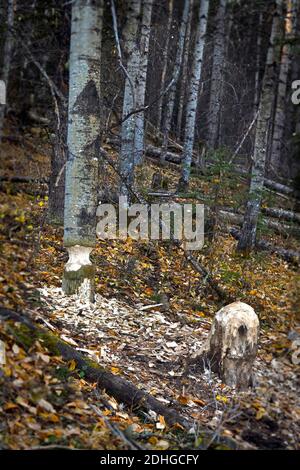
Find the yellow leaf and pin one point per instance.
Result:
(183, 399)
(115, 370)
(72, 365)
(222, 398)
(260, 413)
(253, 292)
(9, 406)
(161, 424)
(153, 440)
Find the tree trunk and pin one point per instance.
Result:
(55, 214)
(83, 143)
(248, 234)
(127, 156)
(184, 73)
(257, 70)
(142, 79)
(285, 63)
(170, 4)
(191, 107)
(7, 52)
(176, 71)
(217, 76)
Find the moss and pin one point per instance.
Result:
(23, 335)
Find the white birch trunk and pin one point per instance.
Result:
(257, 70)
(83, 144)
(142, 80)
(165, 64)
(217, 76)
(176, 71)
(8, 46)
(127, 157)
(184, 73)
(285, 63)
(248, 233)
(192, 101)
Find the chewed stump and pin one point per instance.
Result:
(232, 344)
(79, 273)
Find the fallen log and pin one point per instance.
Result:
(282, 188)
(23, 179)
(281, 214)
(115, 385)
(156, 152)
(291, 256)
(280, 228)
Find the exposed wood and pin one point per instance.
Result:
(232, 344)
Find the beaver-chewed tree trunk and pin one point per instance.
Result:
(232, 344)
(83, 147)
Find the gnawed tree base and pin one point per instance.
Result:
(26, 333)
(232, 345)
(79, 274)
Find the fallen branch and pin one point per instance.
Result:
(23, 179)
(115, 385)
(282, 214)
(291, 256)
(282, 229)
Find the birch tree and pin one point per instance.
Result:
(217, 76)
(285, 63)
(184, 72)
(127, 157)
(142, 79)
(176, 71)
(248, 233)
(192, 101)
(7, 52)
(83, 143)
(170, 4)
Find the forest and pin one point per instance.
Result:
(149, 227)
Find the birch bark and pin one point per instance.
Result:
(217, 76)
(127, 156)
(184, 73)
(7, 53)
(83, 143)
(285, 64)
(170, 4)
(176, 71)
(191, 107)
(142, 79)
(248, 233)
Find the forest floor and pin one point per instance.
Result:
(152, 312)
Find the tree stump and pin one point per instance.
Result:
(232, 344)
